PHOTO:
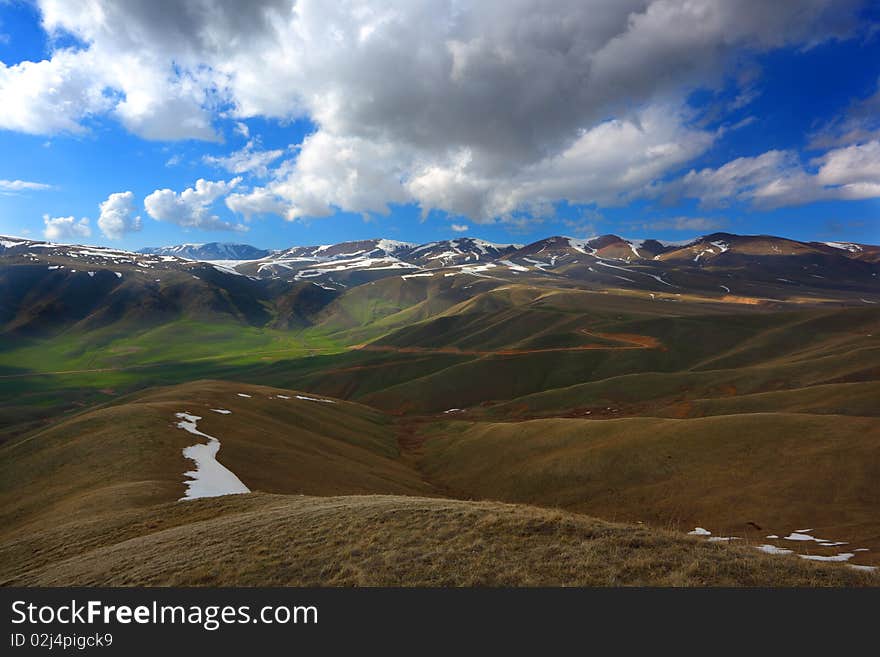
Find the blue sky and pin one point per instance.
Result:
(306, 135)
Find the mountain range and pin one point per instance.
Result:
(209, 251)
(570, 411)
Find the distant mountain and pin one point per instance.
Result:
(458, 251)
(45, 286)
(308, 262)
(209, 251)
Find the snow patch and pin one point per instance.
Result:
(513, 266)
(869, 569)
(843, 556)
(844, 246)
(772, 549)
(315, 399)
(210, 478)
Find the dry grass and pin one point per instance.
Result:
(262, 540)
(129, 455)
(780, 471)
(90, 500)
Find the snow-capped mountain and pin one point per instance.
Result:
(209, 251)
(457, 251)
(716, 262)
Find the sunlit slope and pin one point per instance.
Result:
(128, 454)
(679, 358)
(780, 471)
(258, 540)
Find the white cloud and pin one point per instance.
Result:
(330, 172)
(851, 165)
(460, 228)
(249, 159)
(485, 109)
(191, 208)
(260, 201)
(603, 165)
(118, 215)
(779, 178)
(60, 229)
(22, 186)
(53, 95)
(242, 129)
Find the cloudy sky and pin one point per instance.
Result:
(274, 122)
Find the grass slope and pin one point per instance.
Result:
(128, 455)
(272, 540)
(732, 473)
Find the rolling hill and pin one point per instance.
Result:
(398, 397)
(334, 501)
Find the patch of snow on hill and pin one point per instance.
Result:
(844, 246)
(210, 478)
(512, 265)
(315, 399)
(843, 556)
(772, 549)
(582, 246)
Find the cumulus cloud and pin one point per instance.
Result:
(460, 228)
(22, 186)
(249, 159)
(52, 95)
(191, 208)
(779, 178)
(605, 164)
(489, 109)
(258, 202)
(118, 215)
(59, 229)
(331, 172)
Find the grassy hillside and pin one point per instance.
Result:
(521, 351)
(667, 408)
(732, 474)
(273, 540)
(92, 498)
(128, 455)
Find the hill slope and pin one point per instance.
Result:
(92, 499)
(129, 455)
(748, 475)
(270, 540)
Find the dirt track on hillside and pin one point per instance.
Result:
(627, 341)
